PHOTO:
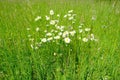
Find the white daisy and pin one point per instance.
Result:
(49, 39)
(73, 33)
(51, 12)
(93, 18)
(37, 18)
(28, 29)
(87, 29)
(80, 26)
(71, 18)
(32, 46)
(44, 40)
(37, 29)
(52, 22)
(70, 11)
(67, 40)
(60, 33)
(57, 37)
(65, 16)
(49, 34)
(80, 30)
(69, 15)
(47, 18)
(85, 40)
(58, 15)
(65, 34)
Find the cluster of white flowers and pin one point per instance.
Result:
(60, 32)
(70, 16)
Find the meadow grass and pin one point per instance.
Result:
(78, 60)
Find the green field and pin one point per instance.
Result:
(80, 41)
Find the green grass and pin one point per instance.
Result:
(86, 61)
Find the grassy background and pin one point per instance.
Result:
(95, 61)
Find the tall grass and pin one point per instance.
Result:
(77, 60)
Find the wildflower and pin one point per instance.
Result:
(49, 34)
(57, 37)
(57, 27)
(65, 34)
(52, 22)
(58, 15)
(72, 33)
(92, 37)
(36, 48)
(87, 29)
(60, 33)
(55, 54)
(31, 39)
(44, 40)
(49, 39)
(61, 28)
(67, 40)
(74, 15)
(55, 31)
(70, 11)
(45, 31)
(69, 15)
(47, 18)
(51, 12)
(80, 26)
(79, 38)
(37, 18)
(29, 35)
(37, 29)
(65, 16)
(80, 30)
(32, 46)
(52, 30)
(71, 18)
(93, 18)
(28, 29)
(56, 21)
(85, 40)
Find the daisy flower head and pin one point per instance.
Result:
(80, 30)
(37, 29)
(44, 40)
(65, 34)
(71, 18)
(85, 40)
(93, 18)
(65, 16)
(73, 33)
(67, 40)
(47, 18)
(87, 29)
(52, 22)
(38, 18)
(69, 15)
(57, 37)
(49, 39)
(28, 29)
(49, 34)
(51, 12)
(80, 26)
(58, 15)
(70, 11)
(60, 33)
